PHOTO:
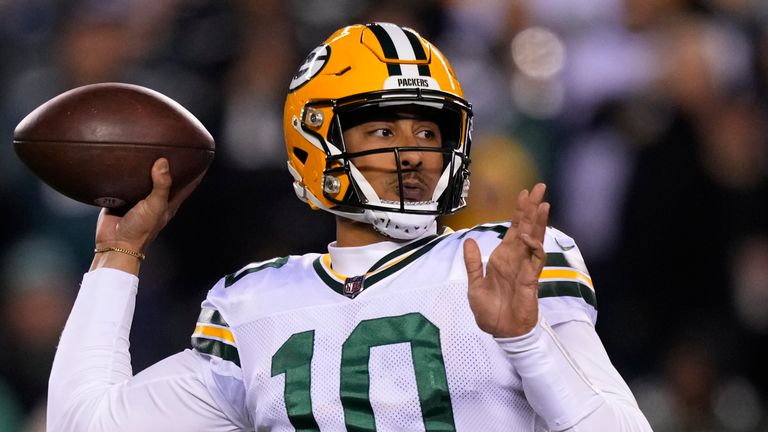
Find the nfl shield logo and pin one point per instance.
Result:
(354, 285)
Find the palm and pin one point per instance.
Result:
(141, 224)
(504, 298)
(134, 228)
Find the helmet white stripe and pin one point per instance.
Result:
(403, 47)
(442, 183)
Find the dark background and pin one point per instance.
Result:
(645, 117)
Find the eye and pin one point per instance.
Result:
(427, 134)
(382, 132)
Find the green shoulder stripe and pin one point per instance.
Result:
(556, 259)
(217, 349)
(499, 229)
(252, 268)
(567, 289)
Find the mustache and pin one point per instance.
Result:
(410, 178)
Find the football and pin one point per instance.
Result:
(97, 143)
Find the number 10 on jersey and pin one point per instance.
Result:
(294, 358)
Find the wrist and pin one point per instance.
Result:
(136, 254)
(522, 327)
(116, 257)
(522, 343)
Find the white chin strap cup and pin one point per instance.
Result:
(402, 226)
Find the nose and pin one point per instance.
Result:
(409, 158)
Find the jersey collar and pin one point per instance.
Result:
(370, 263)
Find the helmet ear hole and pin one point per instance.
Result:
(301, 155)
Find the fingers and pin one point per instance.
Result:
(537, 193)
(517, 217)
(542, 220)
(473, 261)
(536, 249)
(161, 183)
(525, 218)
(533, 242)
(530, 210)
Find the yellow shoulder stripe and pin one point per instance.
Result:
(550, 273)
(219, 333)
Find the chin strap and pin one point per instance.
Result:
(403, 226)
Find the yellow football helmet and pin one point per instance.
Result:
(364, 67)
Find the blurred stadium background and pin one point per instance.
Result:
(647, 118)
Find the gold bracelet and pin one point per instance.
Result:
(138, 255)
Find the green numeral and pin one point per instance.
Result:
(295, 356)
(428, 365)
(294, 359)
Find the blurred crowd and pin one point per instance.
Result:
(646, 118)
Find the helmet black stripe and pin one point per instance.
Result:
(418, 50)
(388, 47)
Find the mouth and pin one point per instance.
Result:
(414, 188)
(413, 193)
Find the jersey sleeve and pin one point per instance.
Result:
(214, 341)
(92, 386)
(566, 292)
(570, 381)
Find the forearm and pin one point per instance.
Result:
(568, 390)
(93, 351)
(92, 387)
(614, 415)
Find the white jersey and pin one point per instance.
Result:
(293, 345)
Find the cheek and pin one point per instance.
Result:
(433, 163)
(377, 169)
(375, 162)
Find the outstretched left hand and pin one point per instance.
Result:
(504, 300)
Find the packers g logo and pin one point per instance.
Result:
(311, 66)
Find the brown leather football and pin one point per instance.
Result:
(97, 143)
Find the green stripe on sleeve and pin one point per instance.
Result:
(556, 259)
(217, 349)
(567, 289)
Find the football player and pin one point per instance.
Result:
(397, 326)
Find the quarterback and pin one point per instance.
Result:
(398, 326)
